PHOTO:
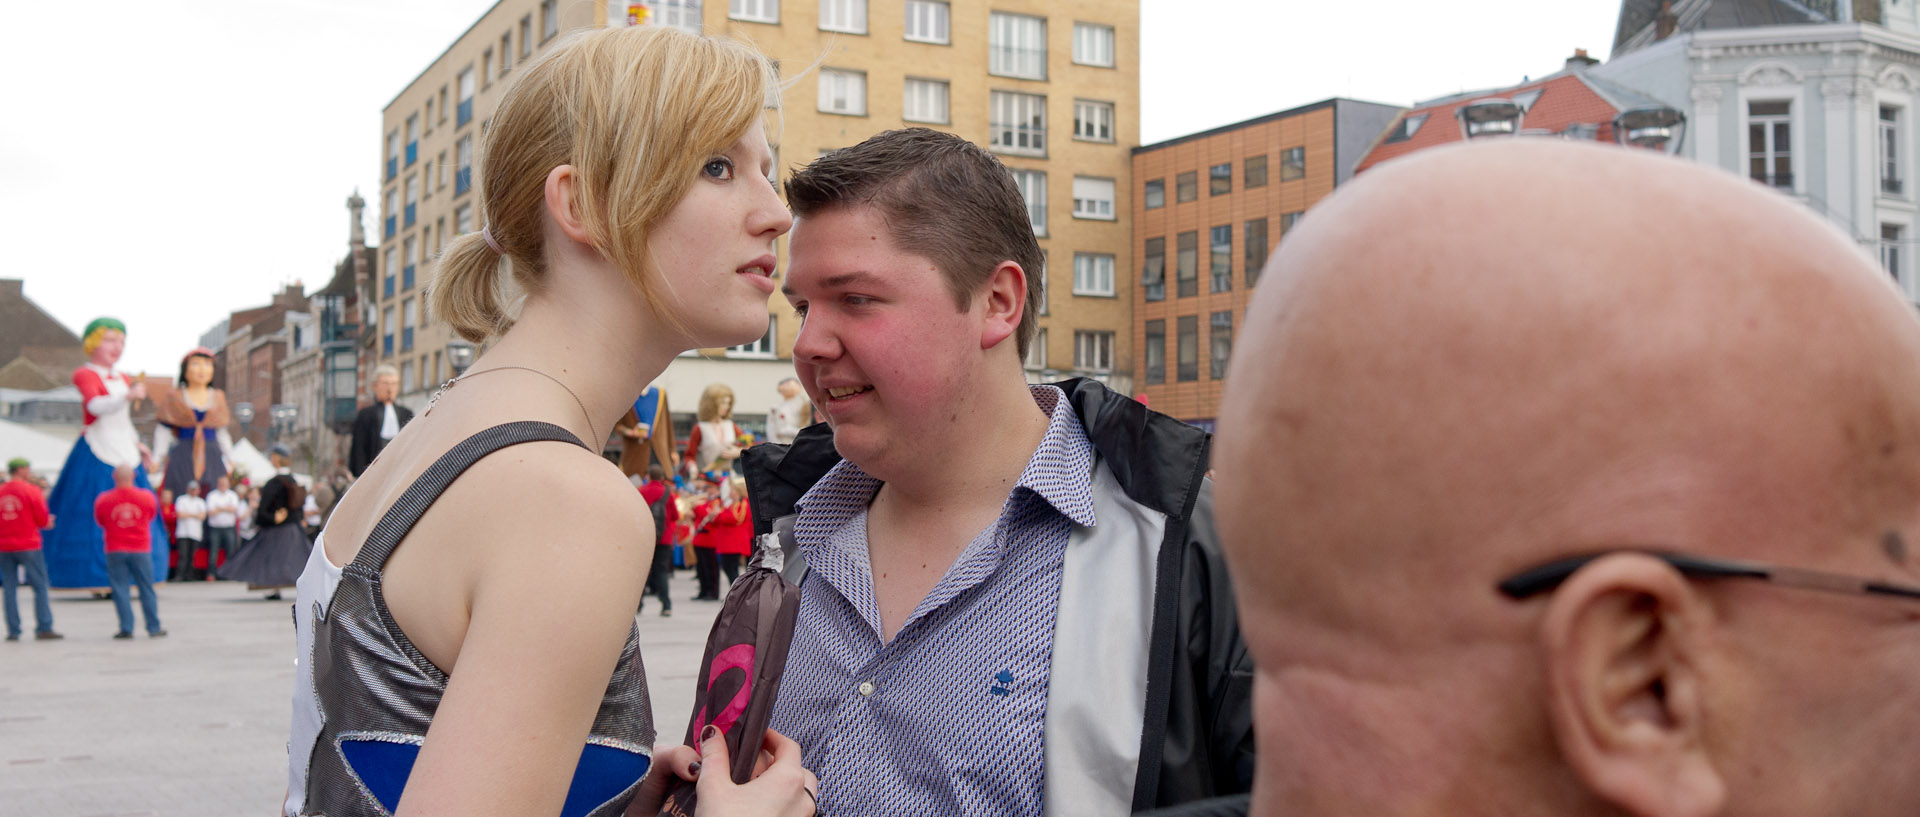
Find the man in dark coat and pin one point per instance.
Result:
(379, 423)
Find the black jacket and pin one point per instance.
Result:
(366, 435)
(1197, 741)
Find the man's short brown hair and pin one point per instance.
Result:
(941, 196)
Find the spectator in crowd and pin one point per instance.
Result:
(706, 538)
(732, 529)
(1614, 520)
(125, 513)
(189, 526)
(377, 424)
(223, 514)
(663, 504)
(23, 515)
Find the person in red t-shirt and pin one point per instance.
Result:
(23, 514)
(733, 530)
(706, 562)
(666, 514)
(125, 514)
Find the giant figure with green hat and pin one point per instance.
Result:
(76, 547)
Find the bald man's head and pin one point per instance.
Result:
(123, 476)
(1483, 358)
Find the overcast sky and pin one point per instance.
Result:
(175, 161)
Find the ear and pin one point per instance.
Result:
(560, 196)
(1006, 300)
(1622, 643)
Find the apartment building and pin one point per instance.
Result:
(1242, 187)
(1051, 88)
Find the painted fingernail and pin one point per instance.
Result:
(695, 768)
(708, 733)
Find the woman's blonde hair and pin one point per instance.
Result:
(636, 111)
(709, 410)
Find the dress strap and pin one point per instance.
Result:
(420, 496)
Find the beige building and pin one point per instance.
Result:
(1052, 88)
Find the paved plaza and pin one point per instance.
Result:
(195, 724)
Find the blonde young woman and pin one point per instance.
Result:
(466, 623)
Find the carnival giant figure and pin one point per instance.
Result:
(76, 547)
(192, 426)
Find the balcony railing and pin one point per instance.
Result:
(1014, 61)
(1783, 181)
(1028, 139)
(463, 114)
(1891, 187)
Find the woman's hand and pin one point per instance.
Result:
(781, 786)
(678, 761)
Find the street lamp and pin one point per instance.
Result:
(459, 355)
(284, 415)
(1490, 117)
(243, 414)
(1655, 127)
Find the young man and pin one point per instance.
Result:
(23, 515)
(125, 513)
(190, 516)
(223, 515)
(1014, 602)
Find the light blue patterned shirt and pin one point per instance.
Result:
(947, 718)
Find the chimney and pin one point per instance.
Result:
(1666, 22)
(356, 234)
(1580, 61)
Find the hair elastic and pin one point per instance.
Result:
(486, 235)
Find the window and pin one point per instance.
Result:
(681, 14)
(1220, 179)
(406, 377)
(427, 123)
(1254, 236)
(1019, 123)
(1033, 188)
(1286, 223)
(426, 240)
(1153, 271)
(413, 199)
(1093, 44)
(393, 212)
(1156, 352)
(506, 52)
(413, 139)
(1093, 351)
(1042, 309)
(463, 178)
(1092, 274)
(1219, 344)
(526, 36)
(1016, 46)
(1890, 250)
(1220, 260)
(928, 21)
(1770, 143)
(1092, 121)
(406, 325)
(1092, 198)
(1186, 186)
(1255, 171)
(440, 230)
(436, 367)
(443, 104)
(849, 16)
(440, 182)
(1186, 261)
(763, 347)
(926, 101)
(843, 92)
(1890, 182)
(1155, 194)
(1187, 348)
(549, 19)
(463, 219)
(1406, 128)
(393, 156)
(1293, 164)
(754, 11)
(465, 114)
(389, 271)
(1037, 350)
(386, 332)
(413, 260)
(486, 67)
(426, 180)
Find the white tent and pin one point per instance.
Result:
(47, 452)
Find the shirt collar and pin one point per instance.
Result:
(103, 371)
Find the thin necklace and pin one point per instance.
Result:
(451, 381)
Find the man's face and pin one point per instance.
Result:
(385, 387)
(222, 485)
(882, 348)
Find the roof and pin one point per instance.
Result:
(1638, 17)
(24, 324)
(1565, 99)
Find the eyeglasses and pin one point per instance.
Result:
(1546, 577)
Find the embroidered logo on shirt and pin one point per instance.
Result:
(1002, 681)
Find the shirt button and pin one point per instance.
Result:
(866, 688)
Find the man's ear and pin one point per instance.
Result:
(562, 203)
(1006, 301)
(1622, 641)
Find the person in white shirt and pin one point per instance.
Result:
(792, 413)
(223, 514)
(190, 512)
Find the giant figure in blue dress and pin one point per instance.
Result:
(75, 547)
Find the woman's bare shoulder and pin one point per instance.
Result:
(556, 492)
